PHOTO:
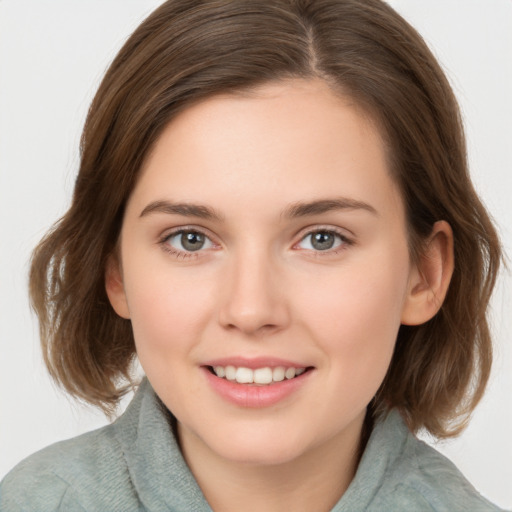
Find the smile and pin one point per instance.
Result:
(260, 376)
(256, 384)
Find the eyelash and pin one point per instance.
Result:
(185, 255)
(345, 241)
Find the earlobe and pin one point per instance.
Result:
(430, 278)
(114, 286)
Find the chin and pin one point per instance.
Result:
(257, 447)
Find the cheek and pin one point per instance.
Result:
(168, 309)
(357, 299)
(354, 317)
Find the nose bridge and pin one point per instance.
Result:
(253, 300)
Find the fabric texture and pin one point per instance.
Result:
(135, 464)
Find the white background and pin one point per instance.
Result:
(52, 56)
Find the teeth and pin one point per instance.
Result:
(278, 374)
(230, 372)
(264, 375)
(289, 373)
(244, 376)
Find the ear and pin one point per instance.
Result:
(430, 277)
(114, 286)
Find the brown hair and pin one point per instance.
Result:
(188, 50)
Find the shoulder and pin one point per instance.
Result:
(83, 473)
(421, 478)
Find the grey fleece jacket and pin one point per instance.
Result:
(135, 464)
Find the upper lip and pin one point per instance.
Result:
(254, 363)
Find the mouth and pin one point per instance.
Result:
(264, 376)
(258, 382)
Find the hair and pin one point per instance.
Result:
(188, 50)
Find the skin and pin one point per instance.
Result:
(259, 288)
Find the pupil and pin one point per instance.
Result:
(322, 241)
(192, 241)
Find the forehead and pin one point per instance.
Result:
(281, 143)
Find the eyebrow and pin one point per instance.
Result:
(184, 209)
(295, 210)
(304, 209)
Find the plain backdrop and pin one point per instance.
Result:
(52, 56)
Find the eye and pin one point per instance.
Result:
(189, 240)
(323, 240)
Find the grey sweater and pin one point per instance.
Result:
(134, 464)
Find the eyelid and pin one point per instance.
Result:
(183, 254)
(347, 240)
(166, 233)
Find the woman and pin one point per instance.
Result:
(263, 127)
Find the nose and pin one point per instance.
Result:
(253, 296)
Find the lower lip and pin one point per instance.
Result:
(254, 396)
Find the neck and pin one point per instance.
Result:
(315, 480)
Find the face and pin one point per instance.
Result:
(266, 241)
